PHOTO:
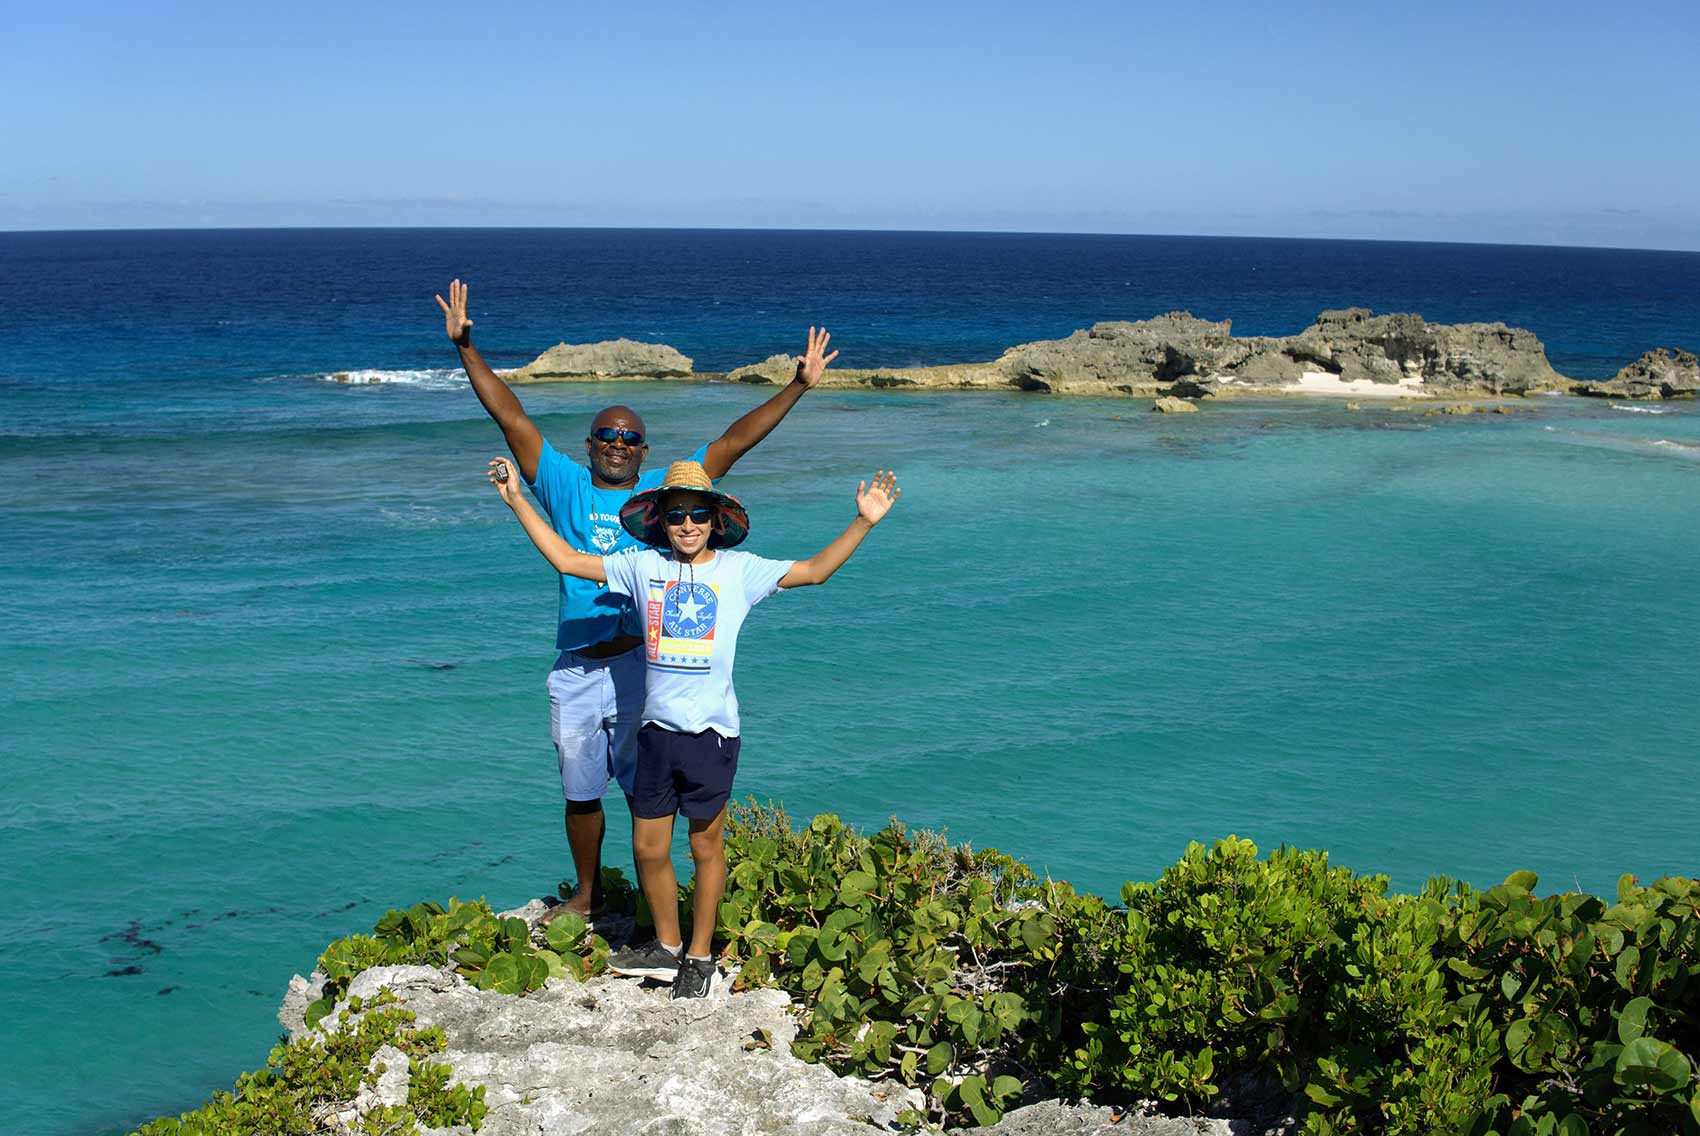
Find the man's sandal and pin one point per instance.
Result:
(562, 908)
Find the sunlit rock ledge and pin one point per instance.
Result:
(615, 1055)
(1350, 353)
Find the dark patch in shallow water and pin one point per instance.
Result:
(131, 936)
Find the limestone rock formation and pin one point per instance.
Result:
(1168, 404)
(1355, 346)
(775, 369)
(1347, 352)
(1660, 373)
(1131, 357)
(610, 359)
(614, 1055)
(1351, 352)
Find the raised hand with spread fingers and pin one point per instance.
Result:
(454, 315)
(812, 363)
(873, 502)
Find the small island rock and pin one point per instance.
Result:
(1169, 405)
(610, 359)
(1660, 373)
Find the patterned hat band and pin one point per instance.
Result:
(641, 515)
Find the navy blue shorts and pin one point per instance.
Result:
(682, 773)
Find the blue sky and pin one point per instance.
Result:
(1552, 123)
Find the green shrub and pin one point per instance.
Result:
(914, 960)
(1482, 1013)
(492, 953)
(1233, 977)
(304, 1077)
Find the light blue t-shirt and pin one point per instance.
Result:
(588, 518)
(691, 616)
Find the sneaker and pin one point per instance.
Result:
(697, 978)
(652, 960)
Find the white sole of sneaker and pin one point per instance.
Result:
(644, 972)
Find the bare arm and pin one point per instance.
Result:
(525, 440)
(872, 504)
(567, 560)
(742, 436)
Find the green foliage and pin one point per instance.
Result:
(915, 960)
(961, 973)
(305, 1077)
(493, 954)
(1493, 1013)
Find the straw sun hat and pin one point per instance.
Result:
(641, 514)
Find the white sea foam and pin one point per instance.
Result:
(1663, 447)
(1688, 451)
(1639, 409)
(433, 378)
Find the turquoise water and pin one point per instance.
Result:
(273, 653)
(1088, 636)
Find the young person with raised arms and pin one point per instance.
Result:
(692, 592)
(596, 683)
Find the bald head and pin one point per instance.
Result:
(615, 458)
(618, 418)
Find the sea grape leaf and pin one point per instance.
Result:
(551, 960)
(317, 1010)
(502, 974)
(1652, 1063)
(1517, 1038)
(1632, 1019)
(856, 886)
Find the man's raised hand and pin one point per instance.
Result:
(874, 502)
(814, 361)
(454, 314)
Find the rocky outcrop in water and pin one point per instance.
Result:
(610, 359)
(1660, 373)
(1351, 352)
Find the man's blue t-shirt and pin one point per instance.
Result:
(588, 518)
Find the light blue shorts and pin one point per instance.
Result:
(595, 709)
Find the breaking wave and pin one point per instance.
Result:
(432, 378)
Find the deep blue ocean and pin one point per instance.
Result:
(273, 653)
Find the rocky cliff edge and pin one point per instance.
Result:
(613, 1055)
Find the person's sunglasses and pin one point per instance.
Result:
(608, 434)
(701, 515)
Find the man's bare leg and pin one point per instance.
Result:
(586, 826)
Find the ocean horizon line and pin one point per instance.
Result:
(1379, 242)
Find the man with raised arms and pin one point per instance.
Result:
(596, 687)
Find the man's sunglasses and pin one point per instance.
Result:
(608, 434)
(701, 515)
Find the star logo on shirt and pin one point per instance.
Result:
(689, 611)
